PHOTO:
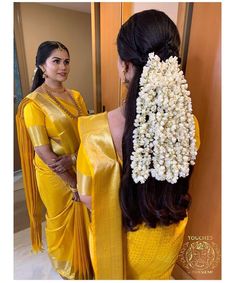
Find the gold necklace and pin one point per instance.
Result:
(55, 90)
(61, 106)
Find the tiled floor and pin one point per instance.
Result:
(21, 218)
(28, 265)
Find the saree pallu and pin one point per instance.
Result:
(148, 253)
(62, 213)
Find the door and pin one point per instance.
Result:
(112, 15)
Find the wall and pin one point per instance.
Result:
(200, 255)
(171, 9)
(112, 15)
(110, 22)
(72, 28)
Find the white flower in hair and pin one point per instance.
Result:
(164, 144)
(34, 72)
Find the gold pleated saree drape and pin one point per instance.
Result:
(145, 254)
(40, 121)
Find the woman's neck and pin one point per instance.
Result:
(54, 84)
(122, 110)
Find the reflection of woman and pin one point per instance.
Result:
(48, 141)
(133, 162)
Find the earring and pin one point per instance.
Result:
(44, 75)
(124, 80)
(123, 76)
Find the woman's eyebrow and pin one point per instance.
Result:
(60, 58)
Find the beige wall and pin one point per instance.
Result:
(72, 28)
(171, 9)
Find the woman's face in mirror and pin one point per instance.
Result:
(57, 65)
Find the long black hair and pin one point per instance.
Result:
(154, 202)
(44, 51)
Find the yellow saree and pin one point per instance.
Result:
(40, 121)
(144, 254)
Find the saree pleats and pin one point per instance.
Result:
(66, 220)
(66, 229)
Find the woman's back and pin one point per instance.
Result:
(150, 252)
(116, 122)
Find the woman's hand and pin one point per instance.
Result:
(56, 163)
(76, 196)
(74, 190)
(61, 164)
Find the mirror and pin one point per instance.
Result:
(69, 23)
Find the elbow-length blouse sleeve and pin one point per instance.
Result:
(35, 123)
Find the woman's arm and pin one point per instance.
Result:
(48, 157)
(61, 165)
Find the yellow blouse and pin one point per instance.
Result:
(42, 128)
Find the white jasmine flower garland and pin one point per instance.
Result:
(164, 142)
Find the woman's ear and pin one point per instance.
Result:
(126, 71)
(130, 70)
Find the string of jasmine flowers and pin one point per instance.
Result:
(164, 142)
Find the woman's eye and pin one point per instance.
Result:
(56, 61)
(66, 62)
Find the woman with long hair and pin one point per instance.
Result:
(48, 142)
(134, 162)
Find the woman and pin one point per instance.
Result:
(48, 142)
(133, 162)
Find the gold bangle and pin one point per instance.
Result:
(73, 158)
(74, 190)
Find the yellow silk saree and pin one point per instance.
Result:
(40, 121)
(145, 254)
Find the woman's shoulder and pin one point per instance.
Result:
(33, 95)
(75, 93)
(30, 101)
(116, 122)
(92, 124)
(116, 117)
(92, 120)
